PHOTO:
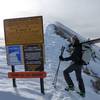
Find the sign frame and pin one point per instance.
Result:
(25, 31)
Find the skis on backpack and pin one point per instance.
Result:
(92, 41)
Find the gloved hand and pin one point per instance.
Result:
(61, 57)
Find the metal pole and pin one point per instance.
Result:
(13, 80)
(42, 85)
(56, 75)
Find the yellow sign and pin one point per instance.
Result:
(23, 30)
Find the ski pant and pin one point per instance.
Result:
(77, 68)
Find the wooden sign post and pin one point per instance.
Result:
(24, 41)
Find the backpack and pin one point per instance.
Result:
(87, 53)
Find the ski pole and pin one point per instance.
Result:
(56, 75)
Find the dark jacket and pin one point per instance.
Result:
(76, 56)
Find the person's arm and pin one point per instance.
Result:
(64, 59)
(67, 58)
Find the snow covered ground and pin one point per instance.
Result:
(29, 89)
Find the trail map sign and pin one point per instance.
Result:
(15, 55)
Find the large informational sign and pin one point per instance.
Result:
(24, 40)
(27, 32)
(23, 30)
(15, 55)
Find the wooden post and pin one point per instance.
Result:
(13, 80)
(42, 85)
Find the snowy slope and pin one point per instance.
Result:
(29, 89)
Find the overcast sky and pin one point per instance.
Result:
(82, 16)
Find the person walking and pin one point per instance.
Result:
(76, 66)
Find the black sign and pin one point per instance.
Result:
(33, 56)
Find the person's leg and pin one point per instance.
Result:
(79, 78)
(67, 76)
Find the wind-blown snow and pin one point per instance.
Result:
(29, 89)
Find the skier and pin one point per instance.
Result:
(76, 66)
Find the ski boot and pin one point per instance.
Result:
(69, 88)
(81, 94)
